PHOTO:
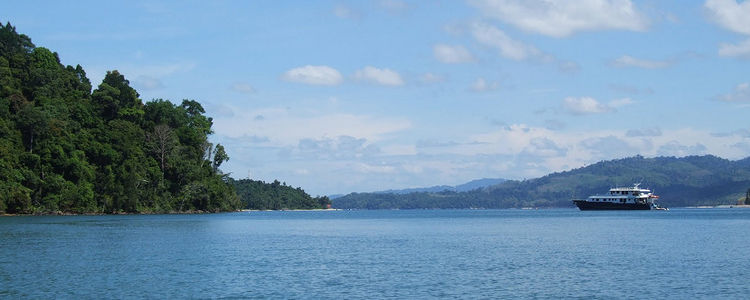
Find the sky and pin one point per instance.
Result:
(356, 96)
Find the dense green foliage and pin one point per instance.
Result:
(263, 196)
(688, 181)
(64, 148)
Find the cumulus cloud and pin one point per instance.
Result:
(452, 54)
(729, 14)
(584, 106)
(510, 48)
(620, 102)
(629, 61)
(492, 36)
(379, 76)
(741, 93)
(315, 75)
(740, 50)
(560, 18)
(588, 105)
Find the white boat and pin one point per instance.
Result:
(620, 198)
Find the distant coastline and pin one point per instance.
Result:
(721, 206)
(301, 209)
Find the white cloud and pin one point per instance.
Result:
(588, 105)
(358, 163)
(584, 106)
(379, 76)
(629, 61)
(741, 50)
(560, 18)
(730, 14)
(620, 102)
(481, 85)
(510, 48)
(452, 54)
(741, 93)
(315, 75)
(491, 36)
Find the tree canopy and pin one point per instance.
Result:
(65, 148)
(259, 195)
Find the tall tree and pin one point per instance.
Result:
(162, 141)
(220, 156)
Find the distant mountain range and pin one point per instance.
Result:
(471, 185)
(686, 181)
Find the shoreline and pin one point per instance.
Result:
(721, 206)
(302, 209)
(191, 212)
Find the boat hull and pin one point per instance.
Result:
(586, 205)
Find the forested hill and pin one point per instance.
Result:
(256, 194)
(64, 148)
(687, 181)
(471, 185)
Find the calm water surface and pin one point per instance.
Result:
(565, 253)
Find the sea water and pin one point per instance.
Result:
(558, 253)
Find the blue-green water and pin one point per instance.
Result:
(680, 254)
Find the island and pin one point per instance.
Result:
(65, 149)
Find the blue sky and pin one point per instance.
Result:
(344, 96)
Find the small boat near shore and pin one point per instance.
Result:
(621, 198)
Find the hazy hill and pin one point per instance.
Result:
(471, 185)
(687, 181)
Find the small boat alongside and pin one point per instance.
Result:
(621, 198)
